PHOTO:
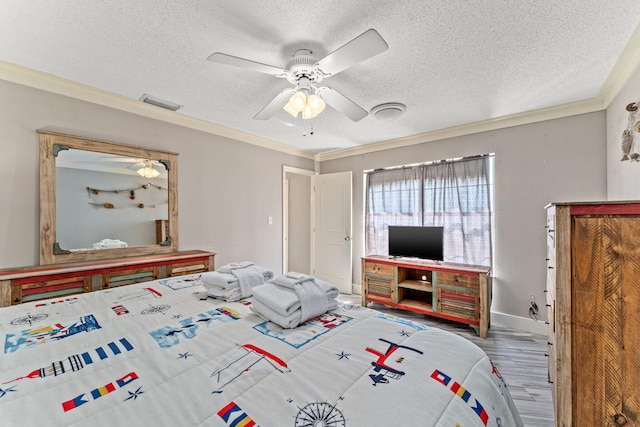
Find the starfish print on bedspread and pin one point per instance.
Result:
(343, 355)
(6, 390)
(134, 394)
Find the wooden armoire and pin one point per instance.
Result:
(593, 302)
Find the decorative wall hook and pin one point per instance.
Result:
(631, 135)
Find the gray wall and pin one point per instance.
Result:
(535, 164)
(226, 188)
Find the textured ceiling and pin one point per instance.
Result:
(452, 62)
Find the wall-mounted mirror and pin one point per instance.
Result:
(102, 200)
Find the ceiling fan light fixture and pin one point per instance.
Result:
(298, 101)
(289, 109)
(307, 113)
(310, 106)
(148, 172)
(316, 103)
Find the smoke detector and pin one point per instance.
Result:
(389, 111)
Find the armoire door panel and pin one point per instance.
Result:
(625, 243)
(587, 324)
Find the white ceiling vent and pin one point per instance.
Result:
(167, 105)
(388, 112)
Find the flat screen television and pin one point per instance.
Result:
(416, 242)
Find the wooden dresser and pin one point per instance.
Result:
(457, 292)
(18, 285)
(593, 302)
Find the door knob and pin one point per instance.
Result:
(347, 238)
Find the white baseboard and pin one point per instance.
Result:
(519, 323)
(356, 289)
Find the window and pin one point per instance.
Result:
(456, 194)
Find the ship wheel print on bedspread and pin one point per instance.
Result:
(29, 319)
(313, 414)
(320, 414)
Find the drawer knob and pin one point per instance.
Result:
(16, 300)
(620, 419)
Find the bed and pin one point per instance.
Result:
(161, 353)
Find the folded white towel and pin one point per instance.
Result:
(285, 296)
(221, 280)
(283, 301)
(290, 279)
(248, 277)
(227, 268)
(237, 284)
(229, 295)
(288, 322)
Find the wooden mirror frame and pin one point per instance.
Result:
(50, 144)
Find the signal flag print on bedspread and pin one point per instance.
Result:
(234, 416)
(98, 392)
(462, 393)
(78, 361)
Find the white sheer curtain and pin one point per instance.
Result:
(394, 197)
(453, 194)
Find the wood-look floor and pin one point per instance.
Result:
(519, 357)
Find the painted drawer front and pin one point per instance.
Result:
(376, 268)
(128, 277)
(460, 303)
(187, 268)
(455, 279)
(24, 291)
(380, 287)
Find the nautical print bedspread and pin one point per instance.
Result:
(154, 354)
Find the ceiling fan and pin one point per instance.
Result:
(305, 71)
(144, 167)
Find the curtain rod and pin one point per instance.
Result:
(433, 162)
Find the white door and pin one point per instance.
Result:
(332, 238)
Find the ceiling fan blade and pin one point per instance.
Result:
(276, 104)
(365, 46)
(342, 104)
(223, 58)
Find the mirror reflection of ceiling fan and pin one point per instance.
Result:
(143, 167)
(306, 72)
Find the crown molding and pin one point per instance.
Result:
(50, 83)
(624, 67)
(528, 117)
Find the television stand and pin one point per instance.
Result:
(457, 292)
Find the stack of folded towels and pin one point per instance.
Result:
(292, 299)
(235, 281)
